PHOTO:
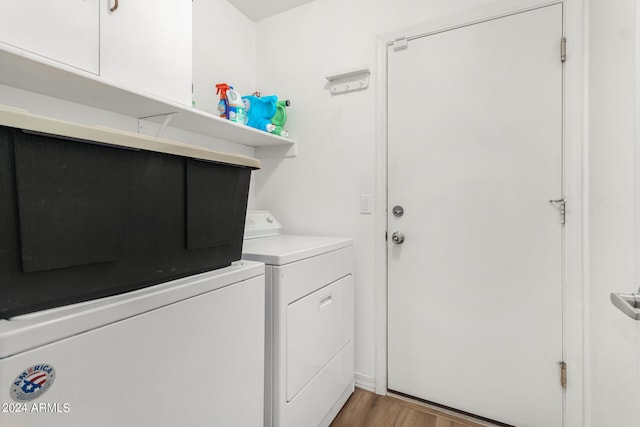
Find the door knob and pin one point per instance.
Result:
(397, 238)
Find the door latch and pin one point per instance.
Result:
(561, 205)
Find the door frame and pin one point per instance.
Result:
(575, 166)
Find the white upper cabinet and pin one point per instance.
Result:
(146, 45)
(63, 31)
(142, 45)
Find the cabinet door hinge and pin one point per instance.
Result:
(563, 374)
(386, 236)
(400, 43)
(561, 205)
(563, 49)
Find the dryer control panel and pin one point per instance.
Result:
(261, 224)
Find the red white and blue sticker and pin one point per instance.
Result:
(32, 383)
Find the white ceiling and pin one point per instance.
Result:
(260, 9)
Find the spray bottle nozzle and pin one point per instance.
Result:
(222, 89)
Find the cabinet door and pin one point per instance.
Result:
(145, 45)
(64, 31)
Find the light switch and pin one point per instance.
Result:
(366, 204)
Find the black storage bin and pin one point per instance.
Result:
(81, 220)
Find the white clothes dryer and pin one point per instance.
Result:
(309, 357)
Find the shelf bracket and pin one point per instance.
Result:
(163, 125)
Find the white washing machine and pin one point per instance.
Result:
(309, 361)
(182, 353)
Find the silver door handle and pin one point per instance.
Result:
(629, 304)
(397, 238)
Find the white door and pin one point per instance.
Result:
(474, 157)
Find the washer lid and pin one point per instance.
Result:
(285, 249)
(29, 331)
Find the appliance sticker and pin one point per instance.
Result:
(32, 383)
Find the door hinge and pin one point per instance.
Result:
(563, 374)
(386, 236)
(561, 205)
(563, 49)
(400, 43)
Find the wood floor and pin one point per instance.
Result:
(366, 409)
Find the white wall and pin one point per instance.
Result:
(318, 192)
(614, 338)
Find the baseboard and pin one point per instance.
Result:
(365, 382)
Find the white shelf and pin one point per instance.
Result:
(30, 72)
(208, 124)
(348, 73)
